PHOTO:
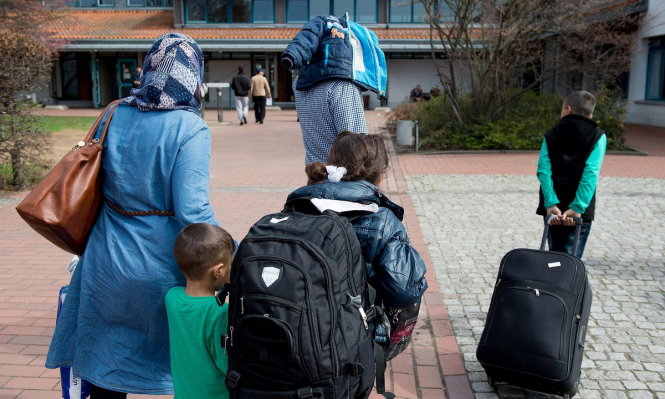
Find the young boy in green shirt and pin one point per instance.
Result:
(568, 169)
(204, 253)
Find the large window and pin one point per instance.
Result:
(229, 11)
(340, 7)
(366, 12)
(264, 11)
(150, 3)
(296, 11)
(413, 11)
(319, 7)
(363, 11)
(96, 3)
(656, 70)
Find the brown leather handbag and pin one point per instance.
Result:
(64, 206)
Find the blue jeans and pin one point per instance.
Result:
(562, 238)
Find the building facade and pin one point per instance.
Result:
(105, 40)
(646, 93)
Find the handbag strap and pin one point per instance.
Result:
(137, 213)
(110, 109)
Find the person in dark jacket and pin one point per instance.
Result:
(337, 58)
(356, 165)
(568, 168)
(416, 95)
(240, 85)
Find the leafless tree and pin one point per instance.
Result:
(33, 18)
(26, 66)
(497, 49)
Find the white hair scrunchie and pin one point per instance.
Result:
(335, 173)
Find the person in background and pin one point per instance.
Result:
(241, 86)
(259, 90)
(136, 77)
(416, 95)
(337, 59)
(434, 92)
(568, 168)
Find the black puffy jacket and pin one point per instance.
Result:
(393, 266)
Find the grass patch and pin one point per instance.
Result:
(33, 175)
(57, 123)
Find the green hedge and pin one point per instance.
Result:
(521, 128)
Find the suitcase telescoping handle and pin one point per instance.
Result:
(578, 229)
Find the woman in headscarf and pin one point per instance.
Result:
(113, 328)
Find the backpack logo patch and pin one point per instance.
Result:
(270, 275)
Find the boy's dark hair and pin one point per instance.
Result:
(199, 246)
(364, 156)
(241, 69)
(581, 102)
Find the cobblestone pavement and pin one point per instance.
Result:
(470, 221)
(462, 235)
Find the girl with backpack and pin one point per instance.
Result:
(357, 164)
(303, 321)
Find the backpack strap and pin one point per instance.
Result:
(380, 360)
(222, 294)
(375, 313)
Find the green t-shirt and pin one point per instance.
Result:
(198, 361)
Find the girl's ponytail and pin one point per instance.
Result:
(316, 172)
(364, 156)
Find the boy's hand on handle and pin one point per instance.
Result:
(568, 216)
(554, 210)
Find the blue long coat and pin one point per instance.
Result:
(113, 327)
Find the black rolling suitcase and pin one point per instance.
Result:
(537, 321)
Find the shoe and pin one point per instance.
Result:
(241, 123)
(261, 122)
(244, 119)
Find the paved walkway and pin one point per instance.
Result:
(462, 211)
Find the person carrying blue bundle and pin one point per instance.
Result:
(337, 59)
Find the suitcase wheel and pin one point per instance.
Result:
(495, 384)
(573, 392)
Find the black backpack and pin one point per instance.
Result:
(297, 321)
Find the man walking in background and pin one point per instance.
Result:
(259, 90)
(241, 85)
(136, 78)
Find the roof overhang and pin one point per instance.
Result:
(239, 45)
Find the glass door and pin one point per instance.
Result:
(125, 70)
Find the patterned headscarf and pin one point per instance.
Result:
(171, 77)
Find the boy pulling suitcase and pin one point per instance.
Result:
(568, 167)
(536, 325)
